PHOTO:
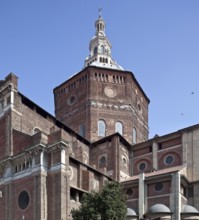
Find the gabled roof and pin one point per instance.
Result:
(122, 139)
(157, 173)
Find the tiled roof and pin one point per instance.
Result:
(157, 172)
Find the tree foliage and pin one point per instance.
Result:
(109, 204)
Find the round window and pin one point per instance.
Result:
(158, 186)
(129, 192)
(142, 166)
(23, 200)
(169, 160)
(71, 100)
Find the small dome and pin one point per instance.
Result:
(159, 208)
(189, 209)
(130, 212)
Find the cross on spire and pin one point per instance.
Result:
(100, 12)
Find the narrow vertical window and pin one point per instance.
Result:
(102, 49)
(119, 127)
(82, 130)
(95, 50)
(101, 128)
(134, 136)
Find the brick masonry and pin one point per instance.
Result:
(55, 165)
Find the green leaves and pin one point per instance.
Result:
(109, 204)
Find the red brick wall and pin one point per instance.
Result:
(142, 151)
(175, 152)
(165, 200)
(171, 143)
(20, 141)
(29, 118)
(18, 186)
(151, 191)
(135, 193)
(3, 136)
(87, 87)
(147, 159)
(56, 157)
(85, 180)
(133, 204)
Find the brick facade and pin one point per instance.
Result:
(96, 93)
(47, 163)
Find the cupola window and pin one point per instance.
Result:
(102, 49)
(119, 127)
(101, 128)
(95, 51)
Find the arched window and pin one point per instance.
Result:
(119, 127)
(36, 130)
(95, 51)
(102, 49)
(134, 136)
(102, 161)
(101, 128)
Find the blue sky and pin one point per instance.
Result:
(44, 42)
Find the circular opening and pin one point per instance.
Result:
(23, 200)
(158, 186)
(71, 100)
(142, 166)
(169, 160)
(129, 192)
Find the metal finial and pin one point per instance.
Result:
(100, 12)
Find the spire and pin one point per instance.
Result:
(100, 47)
(100, 24)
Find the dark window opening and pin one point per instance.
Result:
(158, 187)
(23, 200)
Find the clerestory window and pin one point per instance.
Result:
(101, 128)
(119, 127)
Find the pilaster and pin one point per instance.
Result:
(141, 195)
(175, 198)
(155, 158)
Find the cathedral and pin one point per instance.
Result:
(99, 133)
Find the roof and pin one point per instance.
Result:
(102, 140)
(157, 173)
(107, 65)
(158, 208)
(105, 68)
(130, 212)
(187, 209)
